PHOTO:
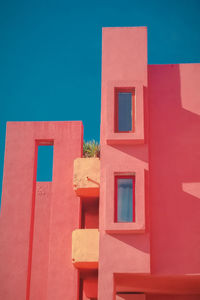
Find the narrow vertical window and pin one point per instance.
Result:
(45, 163)
(124, 110)
(125, 199)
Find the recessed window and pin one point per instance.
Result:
(125, 198)
(124, 110)
(44, 163)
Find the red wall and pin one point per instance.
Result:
(174, 112)
(37, 221)
(90, 213)
(172, 297)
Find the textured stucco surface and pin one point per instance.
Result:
(86, 180)
(37, 219)
(85, 247)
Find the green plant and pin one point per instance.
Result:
(91, 149)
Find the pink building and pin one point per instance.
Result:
(126, 226)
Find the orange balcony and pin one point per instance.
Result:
(85, 248)
(86, 179)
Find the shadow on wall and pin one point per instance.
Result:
(174, 170)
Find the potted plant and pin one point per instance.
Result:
(91, 149)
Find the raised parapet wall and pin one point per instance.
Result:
(85, 248)
(86, 180)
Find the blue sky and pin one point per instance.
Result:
(50, 54)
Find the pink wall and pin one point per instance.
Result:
(37, 221)
(122, 63)
(169, 158)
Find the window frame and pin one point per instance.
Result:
(116, 108)
(39, 143)
(121, 176)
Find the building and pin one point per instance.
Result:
(142, 239)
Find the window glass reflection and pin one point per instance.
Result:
(124, 111)
(124, 200)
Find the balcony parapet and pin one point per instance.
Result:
(86, 179)
(85, 248)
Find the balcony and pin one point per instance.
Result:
(86, 179)
(85, 248)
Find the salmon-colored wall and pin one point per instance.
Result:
(169, 158)
(37, 221)
(124, 61)
(40, 257)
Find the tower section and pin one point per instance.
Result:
(124, 223)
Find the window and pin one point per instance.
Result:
(45, 163)
(124, 198)
(124, 110)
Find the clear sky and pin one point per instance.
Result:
(50, 54)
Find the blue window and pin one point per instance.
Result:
(125, 199)
(124, 110)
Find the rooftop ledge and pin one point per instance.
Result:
(86, 179)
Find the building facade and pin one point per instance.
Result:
(127, 225)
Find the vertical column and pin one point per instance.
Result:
(62, 276)
(40, 248)
(15, 220)
(124, 153)
(106, 284)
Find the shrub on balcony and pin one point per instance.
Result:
(91, 149)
